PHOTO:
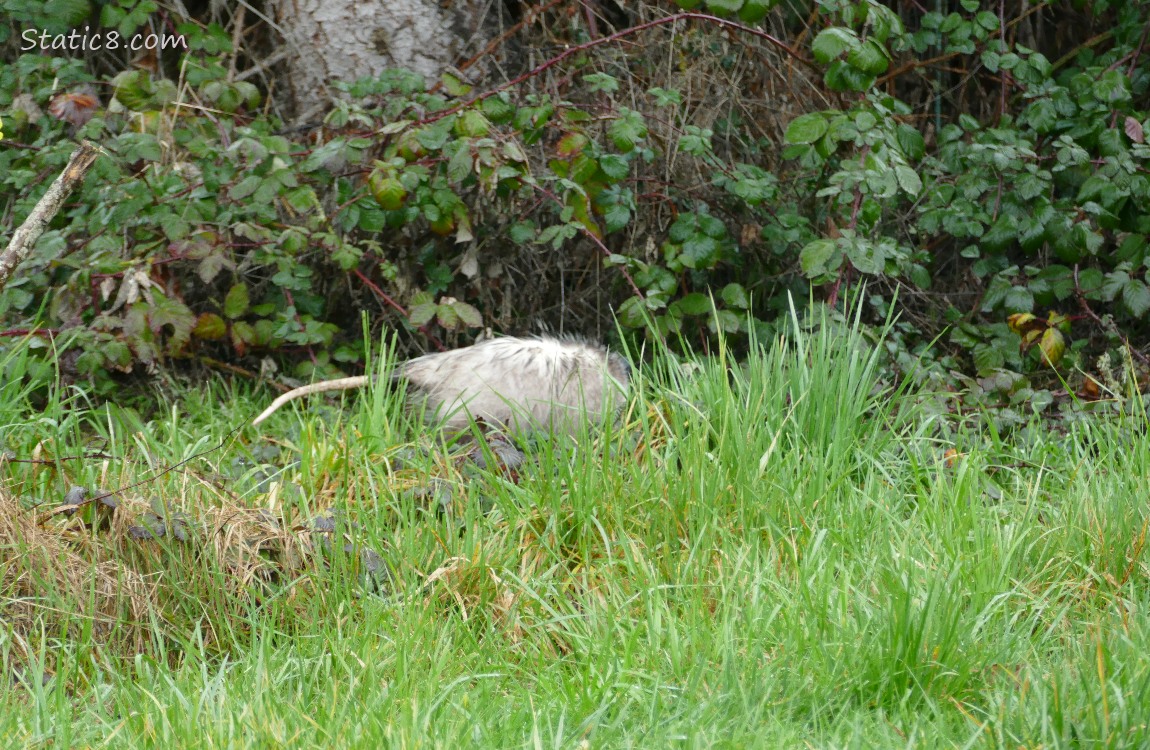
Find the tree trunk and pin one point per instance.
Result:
(330, 40)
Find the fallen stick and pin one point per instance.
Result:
(24, 239)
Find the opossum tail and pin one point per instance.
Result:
(340, 384)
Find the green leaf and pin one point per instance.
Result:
(391, 128)
(712, 226)
(725, 320)
(346, 255)
(174, 226)
(1040, 64)
(388, 191)
(686, 225)
(1052, 345)
(700, 251)
(302, 199)
(1133, 249)
(522, 232)
(908, 179)
(434, 136)
(515, 153)
(616, 216)
(133, 89)
(470, 316)
(118, 355)
(816, 257)
(870, 57)
(571, 144)
(1092, 283)
(1136, 297)
(806, 128)
(754, 11)
(632, 313)
(988, 357)
(1112, 87)
(472, 124)
(454, 85)
(1001, 233)
(1058, 281)
(996, 292)
(1032, 231)
(951, 23)
(833, 42)
(866, 256)
(243, 334)
(211, 265)
(461, 163)
(627, 130)
(919, 276)
(165, 312)
(1019, 299)
(245, 187)
(67, 13)
(447, 317)
(497, 109)
(842, 76)
(724, 8)
(602, 82)
(90, 362)
(987, 20)
(1030, 186)
(695, 303)
(1112, 285)
(236, 301)
(865, 121)
(210, 327)
(422, 297)
(696, 141)
(614, 166)
(911, 142)
(734, 295)
(1097, 188)
(665, 97)
(752, 185)
(421, 314)
(19, 299)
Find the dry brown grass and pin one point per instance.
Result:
(111, 579)
(57, 579)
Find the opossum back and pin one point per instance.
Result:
(519, 383)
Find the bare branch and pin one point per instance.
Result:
(24, 239)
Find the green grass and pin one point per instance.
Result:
(775, 554)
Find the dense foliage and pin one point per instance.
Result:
(988, 161)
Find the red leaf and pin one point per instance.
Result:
(1134, 130)
(74, 109)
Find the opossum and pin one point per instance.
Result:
(519, 384)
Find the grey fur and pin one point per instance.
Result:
(519, 384)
